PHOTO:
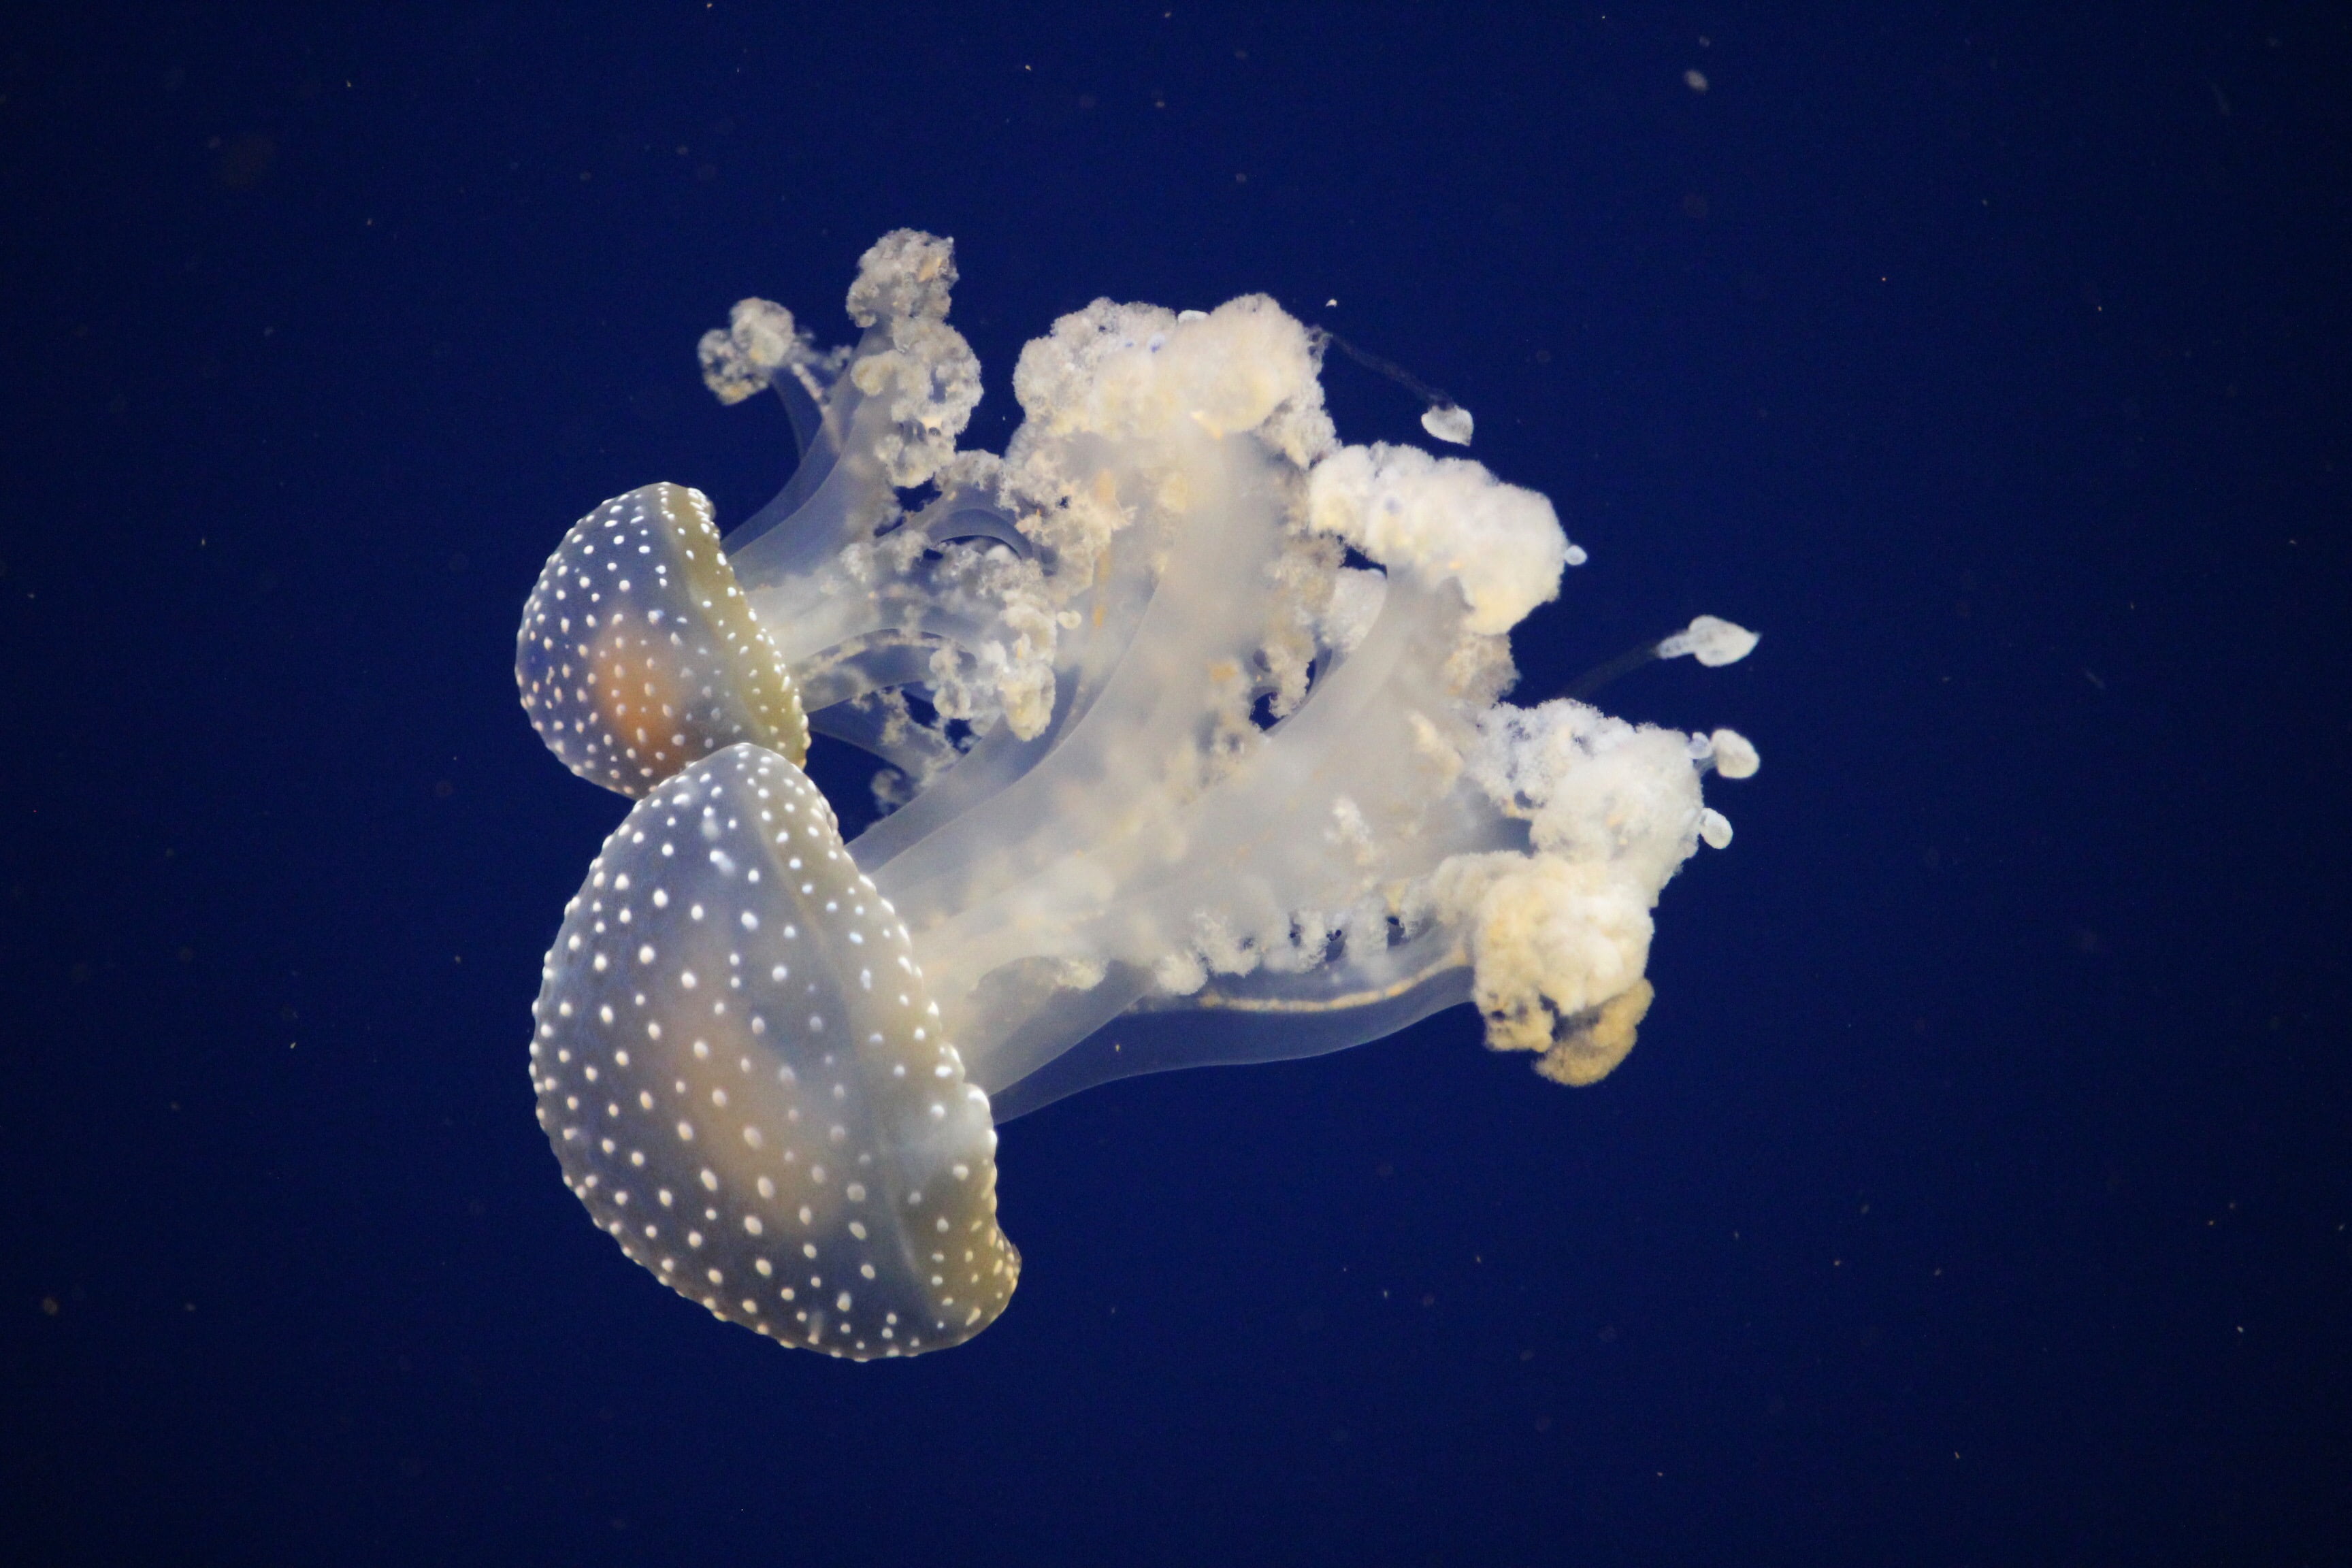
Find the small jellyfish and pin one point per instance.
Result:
(1195, 750)
(638, 653)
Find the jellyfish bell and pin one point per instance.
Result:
(748, 1086)
(637, 655)
(1196, 751)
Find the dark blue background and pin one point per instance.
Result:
(1979, 1192)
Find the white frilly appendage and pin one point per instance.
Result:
(1171, 753)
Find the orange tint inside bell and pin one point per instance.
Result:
(642, 705)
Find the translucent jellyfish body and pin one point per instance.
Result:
(747, 1084)
(1195, 750)
(638, 653)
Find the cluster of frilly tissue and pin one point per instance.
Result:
(1195, 752)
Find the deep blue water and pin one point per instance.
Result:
(1978, 1191)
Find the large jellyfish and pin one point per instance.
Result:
(1194, 751)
